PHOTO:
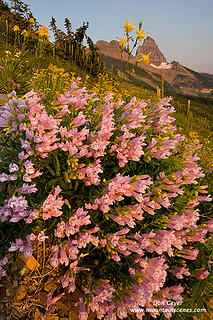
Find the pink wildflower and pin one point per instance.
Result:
(83, 310)
(18, 245)
(79, 120)
(201, 274)
(26, 188)
(21, 156)
(41, 237)
(90, 174)
(54, 261)
(13, 167)
(189, 254)
(180, 271)
(52, 205)
(63, 257)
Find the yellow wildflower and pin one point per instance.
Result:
(16, 28)
(18, 53)
(122, 42)
(140, 33)
(128, 26)
(43, 32)
(193, 134)
(32, 21)
(144, 58)
(25, 33)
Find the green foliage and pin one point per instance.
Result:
(21, 8)
(4, 6)
(70, 46)
(17, 73)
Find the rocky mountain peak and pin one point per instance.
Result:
(150, 42)
(111, 49)
(149, 45)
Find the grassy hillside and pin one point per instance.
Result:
(180, 79)
(141, 77)
(206, 79)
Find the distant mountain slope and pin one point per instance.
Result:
(177, 77)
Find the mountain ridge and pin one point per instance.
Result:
(178, 77)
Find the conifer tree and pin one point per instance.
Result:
(21, 8)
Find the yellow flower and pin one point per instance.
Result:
(43, 32)
(128, 26)
(193, 134)
(25, 33)
(140, 33)
(32, 21)
(18, 53)
(144, 58)
(122, 42)
(44, 29)
(16, 28)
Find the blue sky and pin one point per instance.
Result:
(183, 29)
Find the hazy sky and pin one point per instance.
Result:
(183, 29)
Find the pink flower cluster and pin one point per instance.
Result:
(119, 187)
(16, 209)
(108, 197)
(21, 246)
(80, 218)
